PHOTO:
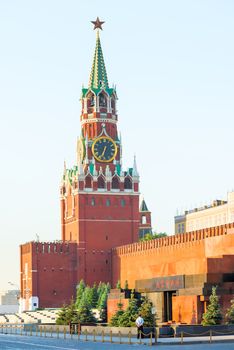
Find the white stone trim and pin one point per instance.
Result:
(96, 120)
(108, 220)
(122, 193)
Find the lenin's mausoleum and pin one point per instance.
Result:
(102, 221)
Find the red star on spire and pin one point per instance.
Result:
(97, 24)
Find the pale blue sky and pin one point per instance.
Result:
(173, 64)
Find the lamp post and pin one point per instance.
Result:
(153, 311)
(17, 288)
(16, 292)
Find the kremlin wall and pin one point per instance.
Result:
(178, 272)
(102, 221)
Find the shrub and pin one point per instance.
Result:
(213, 315)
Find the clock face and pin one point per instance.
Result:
(104, 149)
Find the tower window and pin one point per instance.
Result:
(93, 201)
(143, 219)
(123, 202)
(108, 202)
(88, 182)
(91, 99)
(101, 182)
(112, 103)
(115, 183)
(127, 183)
(102, 100)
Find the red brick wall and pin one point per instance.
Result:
(183, 254)
(51, 272)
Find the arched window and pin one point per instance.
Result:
(127, 183)
(101, 182)
(113, 104)
(122, 202)
(108, 202)
(115, 183)
(102, 100)
(88, 182)
(91, 100)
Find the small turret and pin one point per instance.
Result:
(144, 219)
(134, 169)
(64, 168)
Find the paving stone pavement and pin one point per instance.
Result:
(17, 342)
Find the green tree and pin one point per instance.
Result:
(72, 312)
(118, 285)
(128, 318)
(103, 305)
(149, 236)
(67, 314)
(79, 292)
(213, 315)
(94, 296)
(108, 287)
(87, 297)
(100, 290)
(115, 318)
(85, 314)
(62, 316)
(230, 313)
(146, 312)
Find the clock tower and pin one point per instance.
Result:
(99, 205)
(99, 199)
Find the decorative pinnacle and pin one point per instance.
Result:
(97, 24)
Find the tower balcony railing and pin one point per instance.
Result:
(101, 189)
(88, 189)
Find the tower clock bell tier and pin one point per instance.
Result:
(99, 199)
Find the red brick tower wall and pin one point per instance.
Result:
(51, 272)
(100, 223)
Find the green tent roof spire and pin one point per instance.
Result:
(98, 76)
(143, 206)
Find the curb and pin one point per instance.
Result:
(190, 342)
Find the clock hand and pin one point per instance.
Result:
(103, 152)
